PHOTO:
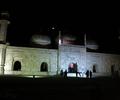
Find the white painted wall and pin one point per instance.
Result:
(103, 61)
(31, 59)
(72, 53)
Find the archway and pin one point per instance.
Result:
(94, 68)
(17, 66)
(44, 67)
(72, 68)
(112, 69)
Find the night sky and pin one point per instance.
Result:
(98, 22)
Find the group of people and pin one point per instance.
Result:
(88, 74)
(63, 73)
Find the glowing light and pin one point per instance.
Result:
(60, 42)
(53, 28)
(74, 75)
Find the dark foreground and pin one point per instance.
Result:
(59, 88)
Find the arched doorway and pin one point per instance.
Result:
(72, 68)
(17, 66)
(112, 69)
(44, 67)
(94, 68)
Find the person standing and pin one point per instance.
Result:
(90, 74)
(87, 74)
(61, 73)
(65, 73)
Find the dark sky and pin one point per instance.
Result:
(100, 22)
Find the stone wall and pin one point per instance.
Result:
(0, 53)
(2, 57)
(86, 60)
(31, 59)
(72, 54)
(102, 61)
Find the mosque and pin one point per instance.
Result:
(47, 62)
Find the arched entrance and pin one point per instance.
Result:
(72, 68)
(112, 69)
(17, 66)
(94, 68)
(44, 67)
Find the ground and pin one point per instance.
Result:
(100, 88)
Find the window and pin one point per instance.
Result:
(17, 66)
(44, 67)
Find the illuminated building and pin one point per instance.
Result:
(44, 62)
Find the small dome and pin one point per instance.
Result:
(67, 39)
(91, 44)
(40, 39)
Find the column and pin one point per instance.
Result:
(3, 56)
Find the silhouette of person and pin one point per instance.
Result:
(90, 74)
(65, 73)
(61, 73)
(71, 68)
(76, 69)
(87, 73)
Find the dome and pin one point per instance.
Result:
(91, 44)
(41, 39)
(67, 39)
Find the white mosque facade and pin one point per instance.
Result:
(46, 62)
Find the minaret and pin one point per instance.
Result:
(3, 31)
(3, 27)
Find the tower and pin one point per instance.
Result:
(3, 31)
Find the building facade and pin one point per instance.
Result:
(39, 61)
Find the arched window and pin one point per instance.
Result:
(44, 67)
(17, 66)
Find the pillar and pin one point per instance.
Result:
(3, 56)
(3, 32)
